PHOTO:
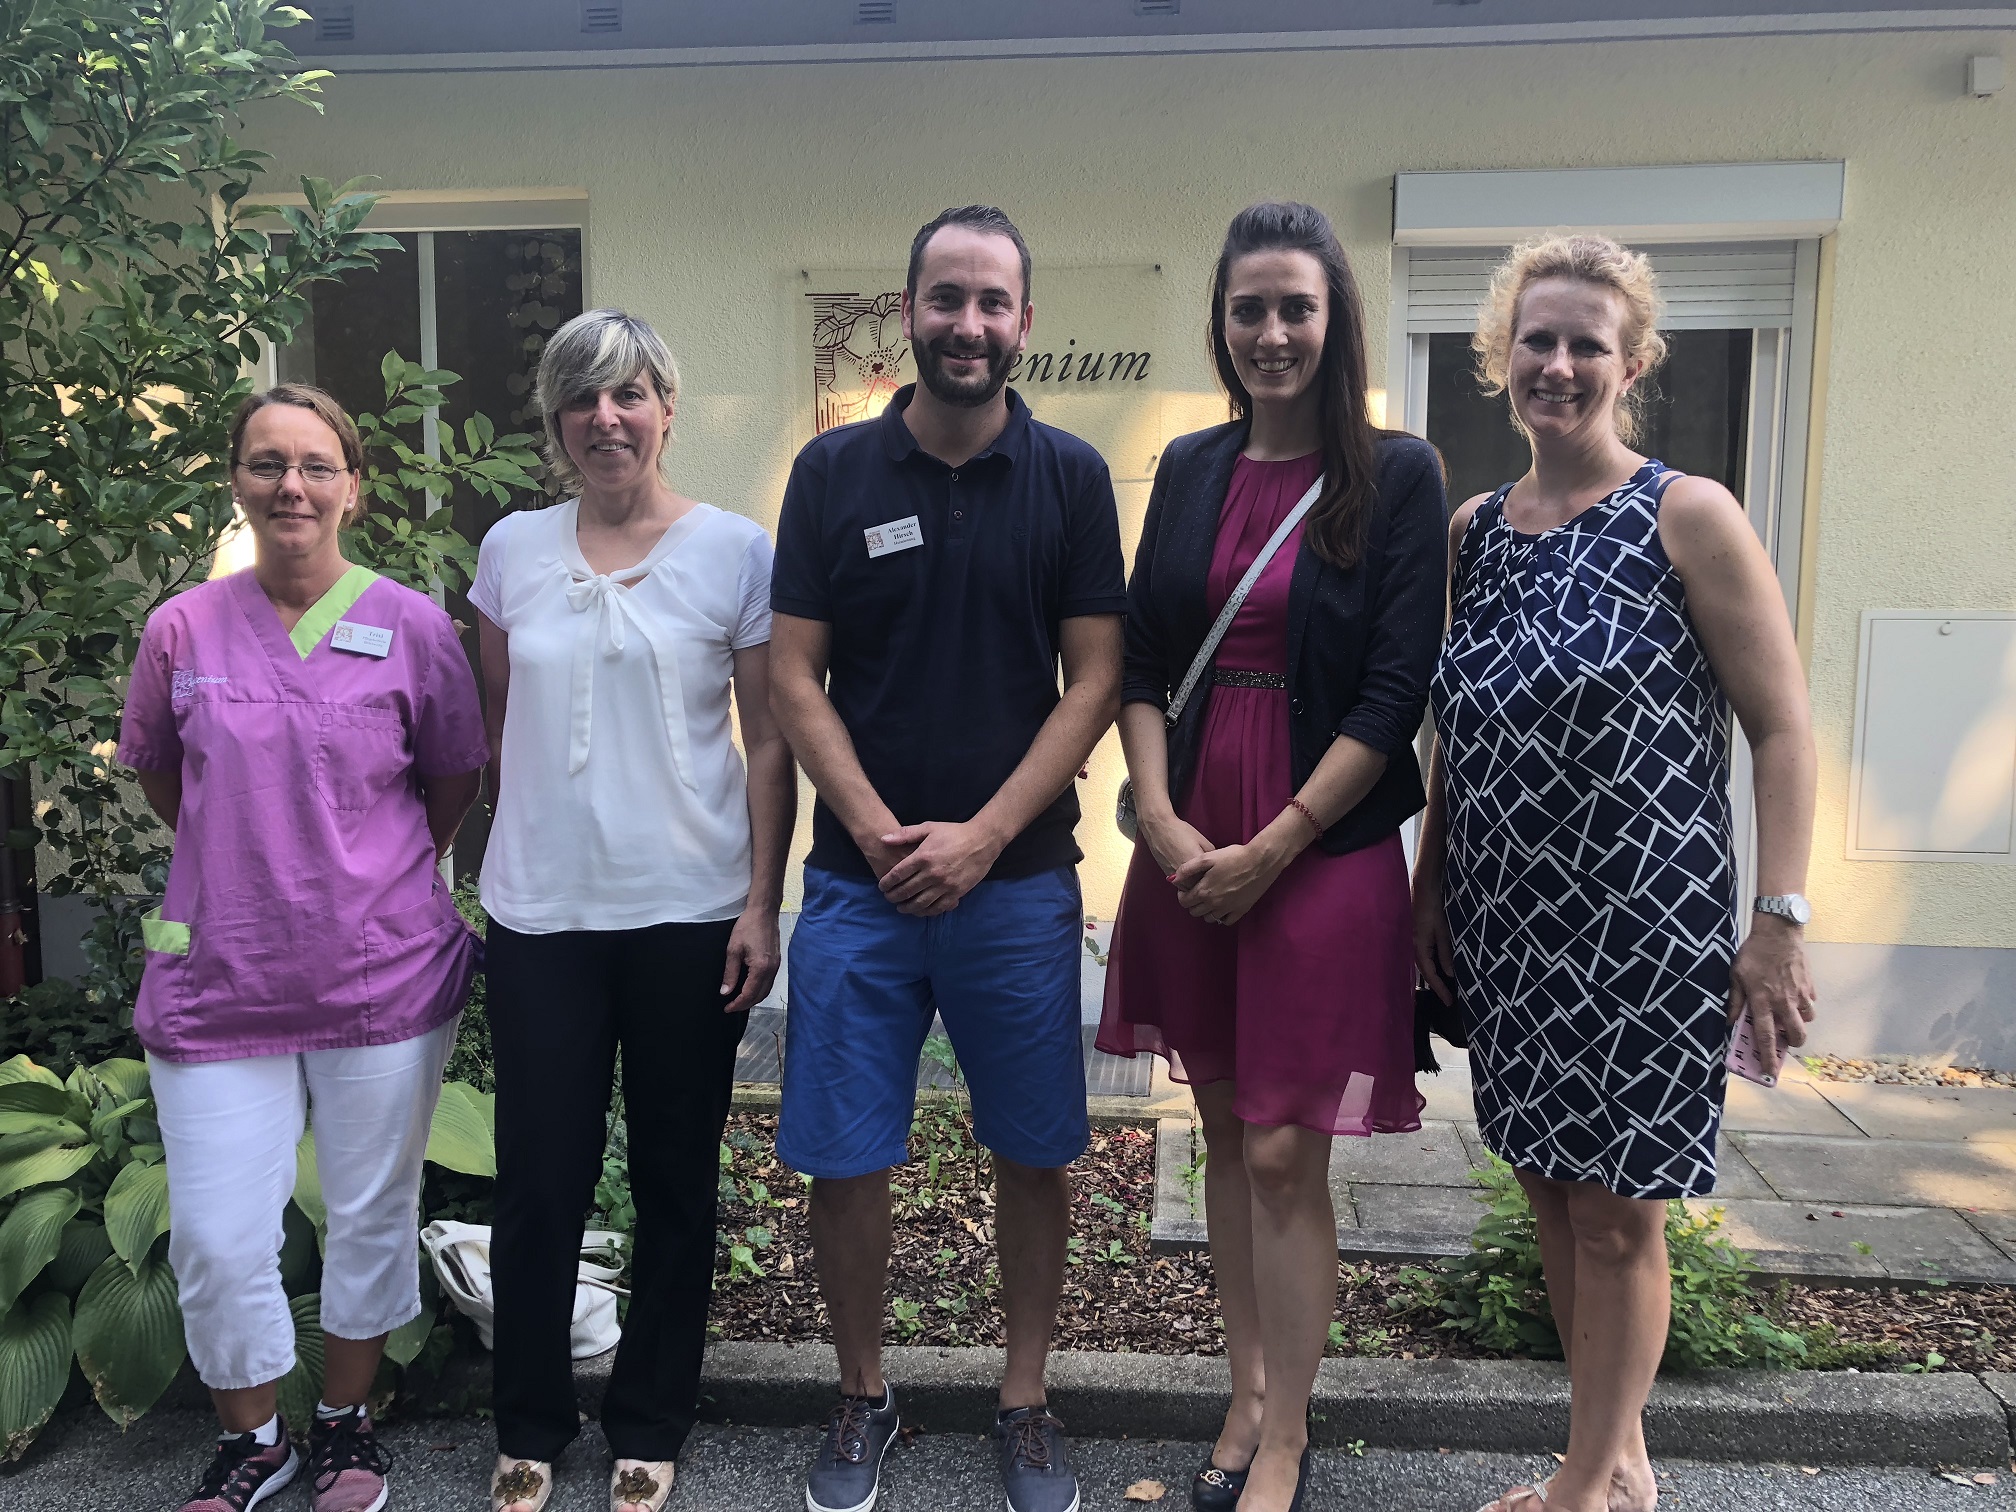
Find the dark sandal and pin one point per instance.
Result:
(1213, 1489)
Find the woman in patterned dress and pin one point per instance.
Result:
(1576, 882)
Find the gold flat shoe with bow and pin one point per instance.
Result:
(640, 1485)
(520, 1485)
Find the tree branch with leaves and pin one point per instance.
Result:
(140, 289)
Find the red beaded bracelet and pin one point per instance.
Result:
(1304, 810)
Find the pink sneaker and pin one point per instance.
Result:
(243, 1473)
(346, 1463)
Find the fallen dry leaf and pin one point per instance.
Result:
(1809, 1469)
(1957, 1479)
(1985, 1478)
(1147, 1491)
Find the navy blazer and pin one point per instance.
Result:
(1361, 643)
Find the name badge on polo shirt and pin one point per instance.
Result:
(897, 535)
(366, 640)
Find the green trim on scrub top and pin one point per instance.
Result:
(159, 934)
(332, 606)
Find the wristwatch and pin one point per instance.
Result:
(1791, 906)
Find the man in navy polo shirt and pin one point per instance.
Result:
(934, 566)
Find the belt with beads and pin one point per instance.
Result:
(1232, 677)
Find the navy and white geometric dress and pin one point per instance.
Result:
(1590, 882)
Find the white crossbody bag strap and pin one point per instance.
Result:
(1231, 610)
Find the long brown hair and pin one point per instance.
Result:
(1335, 528)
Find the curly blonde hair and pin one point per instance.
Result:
(1589, 259)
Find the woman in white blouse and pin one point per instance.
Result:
(632, 878)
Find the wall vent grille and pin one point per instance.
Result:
(1158, 7)
(875, 12)
(602, 16)
(335, 23)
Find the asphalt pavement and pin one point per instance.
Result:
(85, 1465)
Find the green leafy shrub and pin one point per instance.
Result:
(1497, 1293)
(139, 287)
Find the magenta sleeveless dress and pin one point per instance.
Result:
(1306, 1004)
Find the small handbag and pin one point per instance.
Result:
(1433, 1016)
(461, 1256)
(1124, 817)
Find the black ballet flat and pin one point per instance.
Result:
(1216, 1490)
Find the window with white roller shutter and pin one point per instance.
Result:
(1731, 401)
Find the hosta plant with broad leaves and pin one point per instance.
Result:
(84, 1224)
(83, 1264)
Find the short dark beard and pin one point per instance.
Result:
(965, 393)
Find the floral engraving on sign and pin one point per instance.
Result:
(859, 356)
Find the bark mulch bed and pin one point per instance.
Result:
(1119, 1298)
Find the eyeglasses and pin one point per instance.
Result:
(269, 471)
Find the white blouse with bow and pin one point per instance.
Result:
(623, 800)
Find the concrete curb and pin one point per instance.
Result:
(2001, 1385)
(1510, 1406)
(1808, 1417)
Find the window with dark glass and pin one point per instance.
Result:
(1696, 418)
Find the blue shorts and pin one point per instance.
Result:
(1001, 969)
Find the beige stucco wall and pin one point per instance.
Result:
(710, 188)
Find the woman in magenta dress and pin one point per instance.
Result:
(1264, 941)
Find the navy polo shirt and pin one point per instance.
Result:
(944, 660)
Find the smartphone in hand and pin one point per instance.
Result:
(1746, 1058)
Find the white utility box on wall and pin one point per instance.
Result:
(1934, 777)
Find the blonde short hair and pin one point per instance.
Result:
(1588, 259)
(598, 350)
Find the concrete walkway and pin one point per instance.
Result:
(1821, 1181)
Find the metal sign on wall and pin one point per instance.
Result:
(1091, 365)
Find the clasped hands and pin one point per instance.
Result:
(925, 869)
(1218, 884)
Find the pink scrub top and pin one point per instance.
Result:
(304, 909)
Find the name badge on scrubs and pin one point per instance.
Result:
(897, 535)
(367, 640)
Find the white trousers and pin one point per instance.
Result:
(230, 1128)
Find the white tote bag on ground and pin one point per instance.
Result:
(461, 1256)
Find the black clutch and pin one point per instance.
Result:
(1433, 1016)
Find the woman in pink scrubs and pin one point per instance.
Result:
(311, 733)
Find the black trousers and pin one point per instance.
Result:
(559, 1005)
